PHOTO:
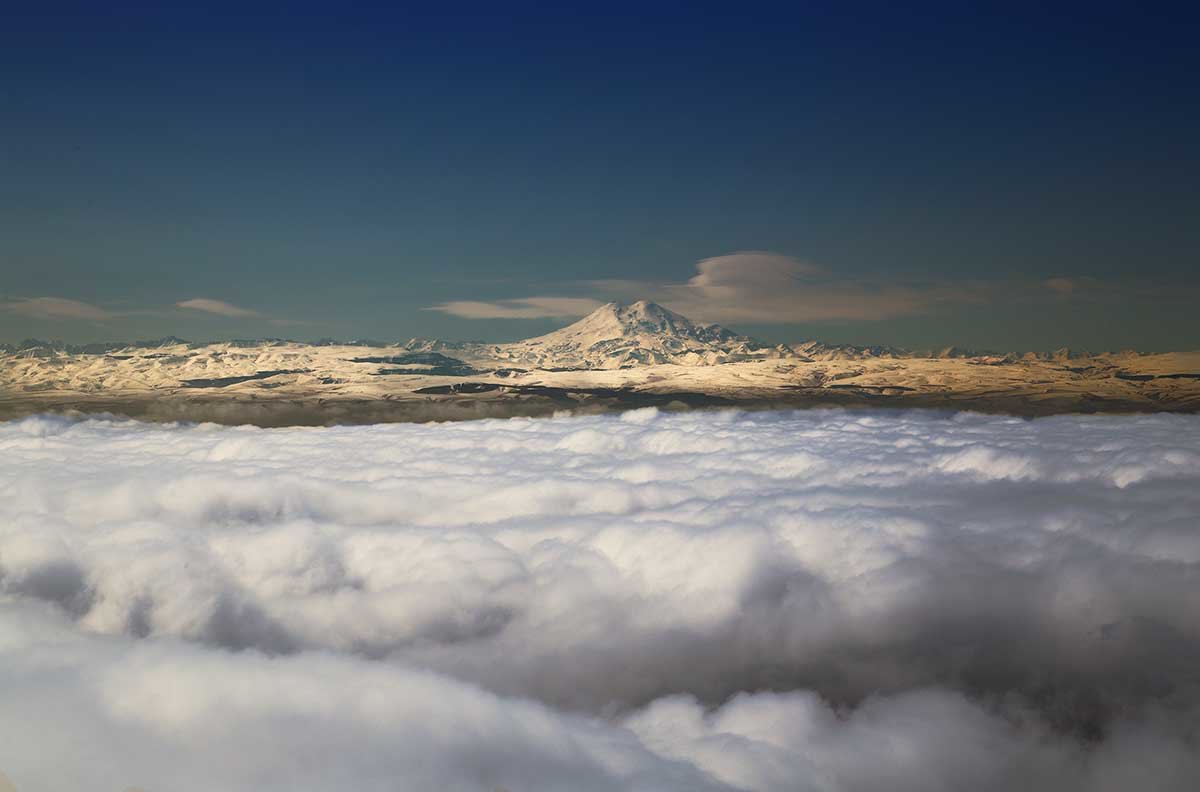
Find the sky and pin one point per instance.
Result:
(999, 176)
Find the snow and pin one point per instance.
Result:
(640, 347)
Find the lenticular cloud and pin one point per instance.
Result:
(823, 600)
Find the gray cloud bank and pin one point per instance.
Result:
(823, 600)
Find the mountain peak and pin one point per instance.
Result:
(615, 319)
(619, 334)
(642, 307)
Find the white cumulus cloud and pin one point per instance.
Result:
(826, 600)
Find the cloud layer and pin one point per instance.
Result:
(762, 601)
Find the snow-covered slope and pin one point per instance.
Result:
(638, 354)
(618, 335)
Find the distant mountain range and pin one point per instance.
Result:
(618, 335)
(619, 356)
(614, 336)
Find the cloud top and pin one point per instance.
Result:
(818, 600)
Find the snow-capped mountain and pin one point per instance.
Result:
(606, 358)
(821, 351)
(619, 335)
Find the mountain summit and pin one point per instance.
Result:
(620, 335)
(630, 320)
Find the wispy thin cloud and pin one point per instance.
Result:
(748, 286)
(1084, 285)
(523, 308)
(218, 307)
(56, 308)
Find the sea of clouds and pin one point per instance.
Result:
(816, 600)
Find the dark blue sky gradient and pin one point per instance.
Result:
(345, 166)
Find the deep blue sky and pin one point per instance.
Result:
(337, 169)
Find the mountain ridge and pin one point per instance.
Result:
(619, 335)
(615, 335)
(619, 356)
